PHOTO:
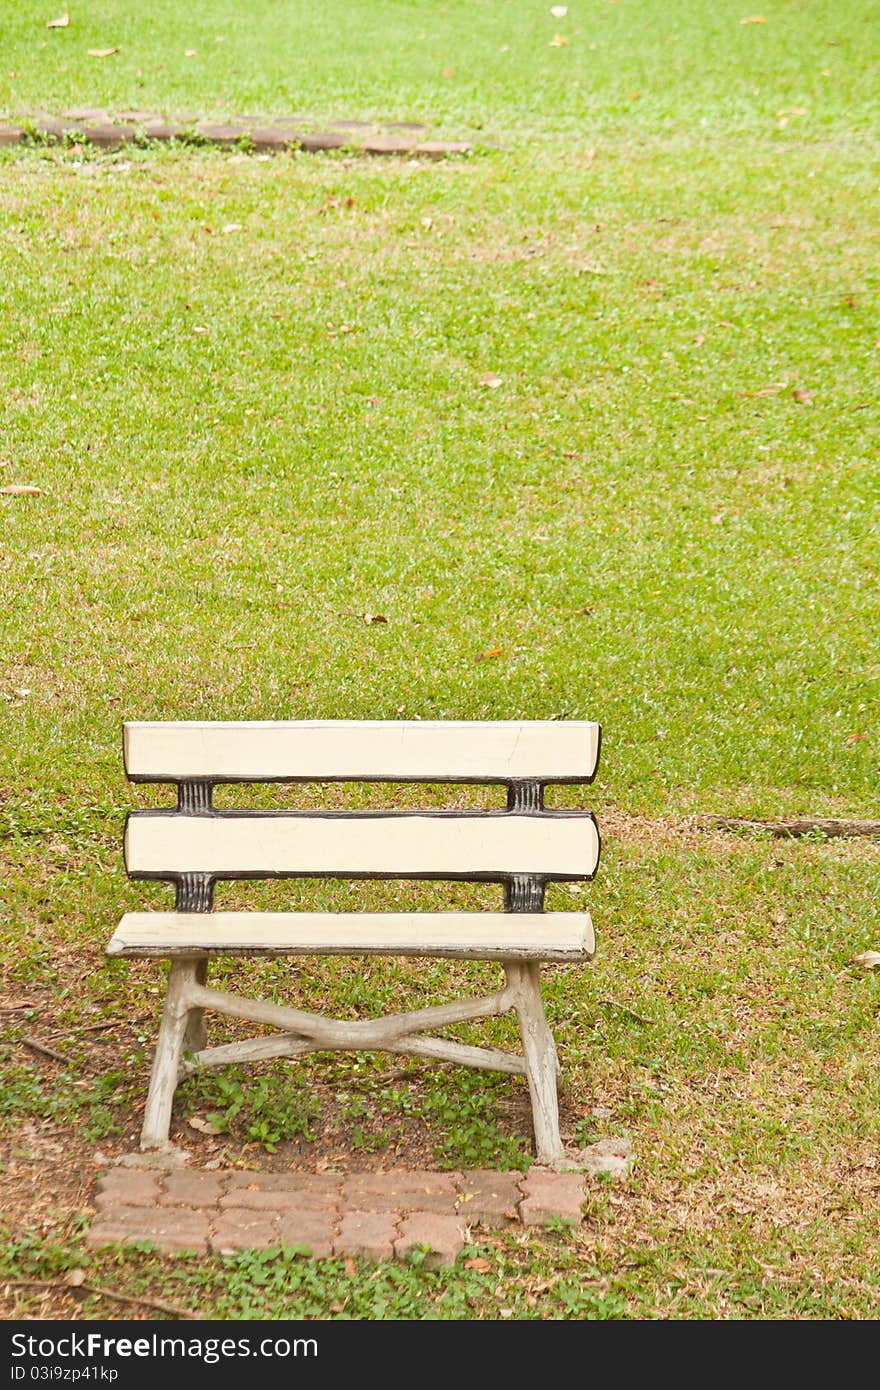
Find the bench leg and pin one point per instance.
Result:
(196, 1036)
(176, 1016)
(542, 1064)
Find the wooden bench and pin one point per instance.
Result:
(523, 847)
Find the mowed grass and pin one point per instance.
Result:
(251, 393)
(722, 1027)
(502, 67)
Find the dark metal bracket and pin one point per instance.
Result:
(195, 798)
(194, 893)
(524, 893)
(525, 796)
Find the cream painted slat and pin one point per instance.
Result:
(353, 750)
(474, 935)
(550, 845)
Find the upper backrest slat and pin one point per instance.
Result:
(363, 751)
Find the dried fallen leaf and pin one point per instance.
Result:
(102, 52)
(189, 53)
(199, 329)
(488, 656)
(558, 41)
(350, 1266)
(203, 1126)
(490, 379)
(803, 396)
(232, 227)
(559, 11)
(868, 960)
(374, 618)
(74, 1277)
(21, 490)
(427, 223)
(754, 19)
(61, 23)
(854, 738)
(479, 1264)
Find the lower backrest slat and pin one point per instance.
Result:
(486, 845)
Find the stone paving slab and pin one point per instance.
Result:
(376, 1215)
(107, 131)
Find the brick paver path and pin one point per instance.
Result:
(274, 135)
(381, 1216)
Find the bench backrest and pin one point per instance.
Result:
(523, 847)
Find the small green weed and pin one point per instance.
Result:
(458, 1108)
(96, 1106)
(265, 1108)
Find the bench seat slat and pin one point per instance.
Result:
(564, 936)
(371, 845)
(363, 750)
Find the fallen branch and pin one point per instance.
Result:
(94, 1027)
(46, 1051)
(622, 1009)
(157, 1304)
(795, 829)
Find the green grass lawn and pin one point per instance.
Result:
(251, 393)
(483, 64)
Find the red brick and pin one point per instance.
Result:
(86, 113)
(292, 1180)
(193, 1188)
(402, 1190)
(244, 1230)
(314, 1229)
(165, 130)
(368, 1233)
(219, 133)
(284, 1192)
(270, 137)
(444, 1235)
(548, 1195)
(244, 1200)
(169, 1230)
(440, 149)
(106, 134)
(127, 1187)
(323, 140)
(488, 1197)
(388, 144)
